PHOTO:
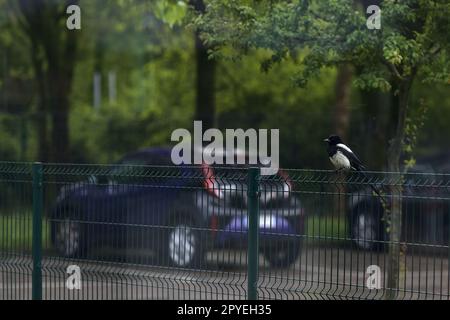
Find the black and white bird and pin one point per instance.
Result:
(344, 159)
(341, 156)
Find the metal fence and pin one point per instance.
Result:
(141, 232)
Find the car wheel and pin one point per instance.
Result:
(366, 230)
(69, 238)
(183, 247)
(283, 255)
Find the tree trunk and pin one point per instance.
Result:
(341, 120)
(42, 133)
(376, 109)
(341, 113)
(54, 50)
(205, 109)
(61, 70)
(60, 129)
(396, 178)
(41, 111)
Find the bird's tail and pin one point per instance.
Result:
(372, 186)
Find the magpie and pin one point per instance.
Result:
(344, 159)
(341, 156)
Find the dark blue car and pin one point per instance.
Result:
(174, 213)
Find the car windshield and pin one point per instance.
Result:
(128, 166)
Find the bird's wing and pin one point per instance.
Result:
(354, 160)
(343, 146)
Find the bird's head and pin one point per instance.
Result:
(333, 139)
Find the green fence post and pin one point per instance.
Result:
(37, 231)
(253, 233)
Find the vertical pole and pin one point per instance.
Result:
(23, 137)
(253, 233)
(97, 90)
(37, 231)
(448, 252)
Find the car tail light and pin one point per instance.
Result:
(209, 181)
(286, 178)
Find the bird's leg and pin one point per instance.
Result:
(338, 170)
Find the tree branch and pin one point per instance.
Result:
(394, 70)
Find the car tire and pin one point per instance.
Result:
(182, 246)
(367, 230)
(284, 254)
(69, 238)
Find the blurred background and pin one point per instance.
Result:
(137, 70)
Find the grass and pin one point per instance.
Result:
(16, 231)
(323, 230)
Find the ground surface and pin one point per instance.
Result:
(319, 273)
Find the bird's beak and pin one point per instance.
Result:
(326, 140)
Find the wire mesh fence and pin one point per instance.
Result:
(210, 232)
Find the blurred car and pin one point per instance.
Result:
(178, 212)
(425, 208)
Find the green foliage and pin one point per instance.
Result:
(151, 51)
(414, 124)
(414, 33)
(155, 92)
(171, 12)
(9, 148)
(247, 98)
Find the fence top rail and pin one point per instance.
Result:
(221, 166)
(296, 175)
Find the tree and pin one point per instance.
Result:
(53, 51)
(341, 115)
(172, 13)
(412, 43)
(205, 103)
